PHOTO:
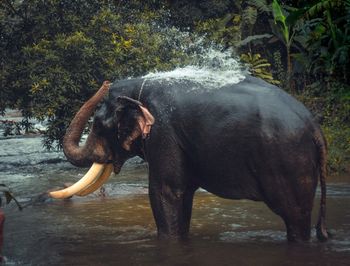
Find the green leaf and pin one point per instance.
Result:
(294, 16)
(280, 19)
(277, 12)
(249, 15)
(261, 5)
(258, 66)
(262, 65)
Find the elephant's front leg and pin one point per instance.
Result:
(171, 183)
(172, 208)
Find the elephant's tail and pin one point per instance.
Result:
(321, 229)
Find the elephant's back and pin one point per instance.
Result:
(254, 102)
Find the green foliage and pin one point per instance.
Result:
(321, 40)
(338, 139)
(261, 5)
(225, 31)
(185, 14)
(279, 68)
(332, 106)
(259, 67)
(333, 111)
(329, 38)
(286, 28)
(320, 33)
(324, 5)
(71, 52)
(235, 29)
(249, 15)
(281, 19)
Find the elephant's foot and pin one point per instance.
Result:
(173, 236)
(296, 236)
(299, 231)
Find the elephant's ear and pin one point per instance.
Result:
(134, 120)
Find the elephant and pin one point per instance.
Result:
(248, 140)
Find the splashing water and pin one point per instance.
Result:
(219, 69)
(210, 66)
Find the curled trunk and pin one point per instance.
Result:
(93, 150)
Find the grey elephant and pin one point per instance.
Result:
(249, 140)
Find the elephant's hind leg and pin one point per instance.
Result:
(294, 205)
(297, 220)
(298, 225)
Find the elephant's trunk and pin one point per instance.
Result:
(93, 150)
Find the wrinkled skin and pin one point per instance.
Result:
(249, 140)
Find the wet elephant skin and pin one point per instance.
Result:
(249, 140)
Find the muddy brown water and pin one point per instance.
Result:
(116, 227)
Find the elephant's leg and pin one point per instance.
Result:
(296, 218)
(171, 190)
(298, 226)
(294, 206)
(172, 210)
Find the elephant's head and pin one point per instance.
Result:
(117, 126)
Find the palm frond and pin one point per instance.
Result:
(261, 5)
(324, 5)
(259, 67)
(249, 15)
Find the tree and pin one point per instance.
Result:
(65, 54)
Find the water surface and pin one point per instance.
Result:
(115, 226)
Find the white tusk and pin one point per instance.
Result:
(86, 180)
(98, 183)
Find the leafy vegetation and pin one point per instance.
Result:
(69, 54)
(56, 53)
(259, 67)
(338, 138)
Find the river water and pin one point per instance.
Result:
(115, 226)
